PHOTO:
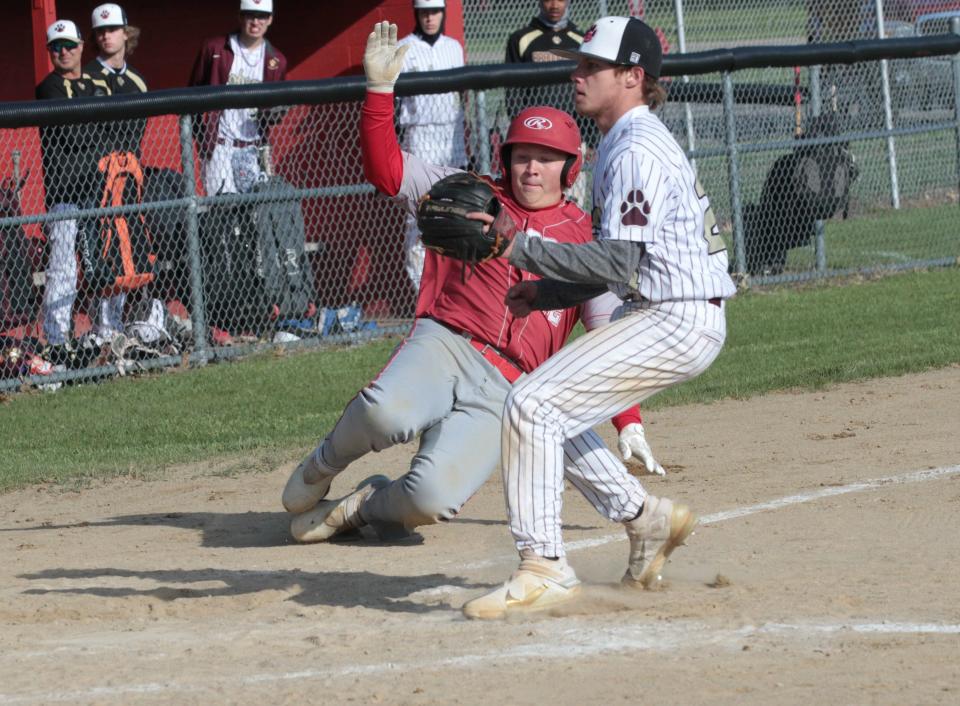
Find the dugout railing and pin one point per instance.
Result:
(809, 177)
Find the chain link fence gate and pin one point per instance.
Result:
(124, 253)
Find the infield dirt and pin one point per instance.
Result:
(188, 590)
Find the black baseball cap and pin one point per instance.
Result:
(624, 41)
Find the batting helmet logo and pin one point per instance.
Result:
(589, 35)
(60, 27)
(548, 127)
(537, 123)
(105, 14)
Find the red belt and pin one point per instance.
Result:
(510, 370)
(715, 301)
(237, 143)
(498, 360)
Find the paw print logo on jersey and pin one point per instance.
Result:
(635, 209)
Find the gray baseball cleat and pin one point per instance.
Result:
(661, 528)
(331, 517)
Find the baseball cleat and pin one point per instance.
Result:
(331, 517)
(299, 495)
(661, 528)
(539, 584)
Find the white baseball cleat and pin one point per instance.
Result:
(661, 528)
(331, 517)
(539, 584)
(299, 495)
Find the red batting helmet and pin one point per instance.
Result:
(548, 127)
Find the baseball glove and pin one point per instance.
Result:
(443, 222)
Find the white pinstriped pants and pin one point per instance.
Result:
(548, 416)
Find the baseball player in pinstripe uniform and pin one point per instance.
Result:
(432, 125)
(447, 381)
(657, 247)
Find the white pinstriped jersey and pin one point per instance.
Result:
(437, 109)
(645, 190)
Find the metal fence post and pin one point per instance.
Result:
(483, 132)
(955, 28)
(888, 115)
(687, 111)
(733, 168)
(816, 93)
(819, 228)
(197, 316)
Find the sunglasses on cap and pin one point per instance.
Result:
(60, 45)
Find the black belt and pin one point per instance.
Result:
(237, 143)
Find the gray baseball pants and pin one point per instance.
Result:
(440, 387)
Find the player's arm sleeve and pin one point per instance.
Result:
(382, 159)
(631, 416)
(600, 262)
(553, 294)
(390, 170)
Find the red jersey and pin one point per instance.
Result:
(475, 305)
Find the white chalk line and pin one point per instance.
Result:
(562, 642)
(572, 643)
(890, 255)
(713, 518)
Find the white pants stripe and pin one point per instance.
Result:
(549, 415)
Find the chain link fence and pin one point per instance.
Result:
(160, 241)
(700, 25)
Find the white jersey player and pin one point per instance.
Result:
(656, 246)
(432, 124)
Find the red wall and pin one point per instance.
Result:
(319, 41)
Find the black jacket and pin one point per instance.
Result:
(70, 152)
(125, 135)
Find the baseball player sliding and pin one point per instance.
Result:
(657, 247)
(449, 378)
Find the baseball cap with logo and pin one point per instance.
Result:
(108, 15)
(63, 29)
(624, 41)
(265, 6)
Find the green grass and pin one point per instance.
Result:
(277, 406)
(246, 410)
(886, 237)
(809, 338)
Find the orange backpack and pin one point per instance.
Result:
(125, 247)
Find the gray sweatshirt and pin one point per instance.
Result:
(575, 273)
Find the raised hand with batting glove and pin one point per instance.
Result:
(382, 58)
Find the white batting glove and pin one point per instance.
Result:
(382, 59)
(633, 442)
